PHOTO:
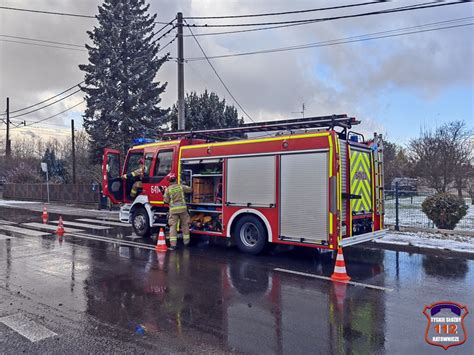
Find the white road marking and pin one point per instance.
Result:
(2, 221)
(23, 231)
(329, 279)
(113, 241)
(4, 237)
(83, 225)
(51, 228)
(107, 218)
(102, 222)
(27, 327)
(133, 237)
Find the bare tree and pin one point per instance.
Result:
(439, 156)
(86, 171)
(396, 161)
(28, 152)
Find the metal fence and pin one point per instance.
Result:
(67, 193)
(409, 211)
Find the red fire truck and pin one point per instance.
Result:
(308, 182)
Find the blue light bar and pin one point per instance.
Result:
(144, 140)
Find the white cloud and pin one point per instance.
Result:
(268, 86)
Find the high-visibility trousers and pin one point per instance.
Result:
(184, 220)
(136, 185)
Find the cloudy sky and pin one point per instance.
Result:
(396, 85)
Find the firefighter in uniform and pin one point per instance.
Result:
(178, 211)
(134, 174)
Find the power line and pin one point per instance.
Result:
(277, 27)
(55, 115)
(45, 12)
(43, 45)
(353, 39)
(165, 34)
(56, 13)
(324, 19)
(162, 28)
(46, 100)
(220, 79)
(167, 44)
(43, 41)
(50, 104)
(61, 43)
(282, 13)
(243, 31)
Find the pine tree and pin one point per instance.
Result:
(56, 167)
(122, 97)
(206, 111)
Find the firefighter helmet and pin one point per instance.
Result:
(141, 161)
(171, 177)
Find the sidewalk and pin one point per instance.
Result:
(438, 243)
(56, 207)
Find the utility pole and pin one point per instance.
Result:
(73, 153)
(181, 118)
(8, 146)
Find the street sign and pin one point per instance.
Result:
(44, 167)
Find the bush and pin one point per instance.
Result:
(444, 210)
(23, 173)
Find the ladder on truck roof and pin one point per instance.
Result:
(379, 174)
(282, 125)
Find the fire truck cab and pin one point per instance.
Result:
(313, 183)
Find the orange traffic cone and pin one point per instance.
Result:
(161, 243)
(44, 216)
(60, 230)
(340, 273)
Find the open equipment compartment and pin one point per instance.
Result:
(204, 176)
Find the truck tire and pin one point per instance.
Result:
(141, 223)
(250, 235)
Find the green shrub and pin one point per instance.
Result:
(444, 210)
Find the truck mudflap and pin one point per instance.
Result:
(362, 238)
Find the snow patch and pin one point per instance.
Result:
(430, 240)
(12, 202)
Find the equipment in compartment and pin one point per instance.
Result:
(205, 178)
(203, 190)
(205, 221)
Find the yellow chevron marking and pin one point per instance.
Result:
(360, 163)
(364, 196)
(365, 164)
(355, 164)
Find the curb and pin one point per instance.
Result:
(419, 250)
(463, 232)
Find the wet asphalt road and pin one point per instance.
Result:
(100, 297)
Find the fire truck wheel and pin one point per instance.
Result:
(250, 235)
(141, 223)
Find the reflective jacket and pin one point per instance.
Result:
(174, 197)
(137, 172)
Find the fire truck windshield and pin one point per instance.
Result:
(132, 162)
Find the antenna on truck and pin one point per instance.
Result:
(281, 125)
